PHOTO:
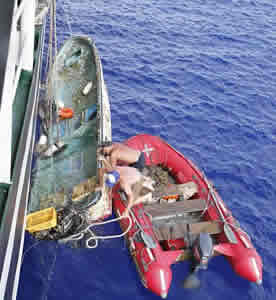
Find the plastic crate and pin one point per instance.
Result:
(41, 220)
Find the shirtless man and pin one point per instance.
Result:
(125, 154)
(129, 175)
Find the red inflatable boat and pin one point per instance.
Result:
(196, 229)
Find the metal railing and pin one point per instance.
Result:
(12, 225)
(19, 56)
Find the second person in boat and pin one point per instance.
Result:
(116, 156)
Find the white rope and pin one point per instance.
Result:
(28, 249)
(66, 16)
(80, 235)
(49, 96)
(54, 27)
(66, 9)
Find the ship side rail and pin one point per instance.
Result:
(13, 216)
(17, 54)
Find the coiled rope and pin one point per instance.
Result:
(93, 236)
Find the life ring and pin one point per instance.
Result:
(66, 113)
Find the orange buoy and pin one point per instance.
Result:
(66, 113)
(168, 197)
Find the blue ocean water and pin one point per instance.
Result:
(200, 74)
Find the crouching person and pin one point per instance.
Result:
(131, 180)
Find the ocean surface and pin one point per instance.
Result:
(200, 74)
